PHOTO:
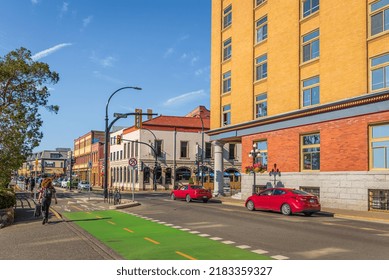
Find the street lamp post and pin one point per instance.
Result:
(275, 172)
(156, 159)
(107, 140)
(254, 153)
(202, 150)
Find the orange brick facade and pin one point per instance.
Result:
(343, 144)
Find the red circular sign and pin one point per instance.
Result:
(132, 162)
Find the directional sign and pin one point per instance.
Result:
(132, 162)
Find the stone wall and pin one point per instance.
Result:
(7, 217)
(343, 190)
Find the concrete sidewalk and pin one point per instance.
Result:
(372, 216)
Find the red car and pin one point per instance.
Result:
(284, 200)
(191, 192)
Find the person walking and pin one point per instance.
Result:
(46, 194)
(32, 183)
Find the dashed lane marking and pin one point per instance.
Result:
(185, 255)
(130, 231)
(152, 241)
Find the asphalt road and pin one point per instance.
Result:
(282, 237)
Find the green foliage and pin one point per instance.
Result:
(191, 181)
(7, 198)
(23, 92)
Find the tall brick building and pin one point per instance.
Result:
(307, 83)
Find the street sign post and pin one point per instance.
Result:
(132, 162)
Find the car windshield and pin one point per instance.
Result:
(300, 192)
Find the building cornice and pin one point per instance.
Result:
(306, 112)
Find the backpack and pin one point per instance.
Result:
(48, 193)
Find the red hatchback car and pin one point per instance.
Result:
(191, 192)
(284, 200)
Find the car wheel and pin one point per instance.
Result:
(308, 214)
(250, 205)
(205, 200)
(285, 209)
(173, 197)
(187, 198)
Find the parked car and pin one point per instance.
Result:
(64, 183)
(84, 185)
(56, 183)
(191, 192)
(284, 200)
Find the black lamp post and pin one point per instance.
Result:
(156, 159)
(275, 172)
(254, 153)
(107, 140)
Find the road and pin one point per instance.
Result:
(296, 237)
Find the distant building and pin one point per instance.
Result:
(177, 142)
(48, 162)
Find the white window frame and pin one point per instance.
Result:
(260, 102)
(226, 83)
(260, 64)
(377, 65)
(311, 9)
(227, 49)
(381, 9)
(308, 85)
(227, 17)
(310, 39)
(261, 30)
(226, 115)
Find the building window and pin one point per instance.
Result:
(261, 105)
(227, 19)
(380, 72)
(259, 2)
(227, 49)
(231, 151)
(227, 82)
(310, 46)
(309, 7)
(261, 29)
(158, 147)
(311, 91)
(226, 115)
(379, 146)
(379, 17)
(310, 152)
(208, 150)
(262, 147)
(184, 149)
(261, 67)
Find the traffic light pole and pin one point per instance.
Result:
(107, 130)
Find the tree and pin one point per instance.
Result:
(23, 92)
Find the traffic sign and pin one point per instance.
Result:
(132, 162)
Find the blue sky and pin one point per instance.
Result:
(97, 47)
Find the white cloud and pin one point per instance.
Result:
(186, 97)
(87, 21)
(104, 62)
(49, 51)
(65, 7)
(101, 76)
(168, 52)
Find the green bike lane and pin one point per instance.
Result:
(135, 238)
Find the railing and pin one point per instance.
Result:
(379, 200)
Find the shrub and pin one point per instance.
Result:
(7, 198)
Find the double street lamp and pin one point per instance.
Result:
(254, 153)
(107, 139)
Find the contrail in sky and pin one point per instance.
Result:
(49, 51)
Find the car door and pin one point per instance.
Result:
(278, 198)
(263, 199)
(181, 192)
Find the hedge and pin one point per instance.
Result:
(7, 198)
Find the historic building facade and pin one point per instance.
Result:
(307, 83)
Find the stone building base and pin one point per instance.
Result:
(342, 190)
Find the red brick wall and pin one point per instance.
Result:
(343, 144)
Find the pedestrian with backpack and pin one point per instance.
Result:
(47, 193)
